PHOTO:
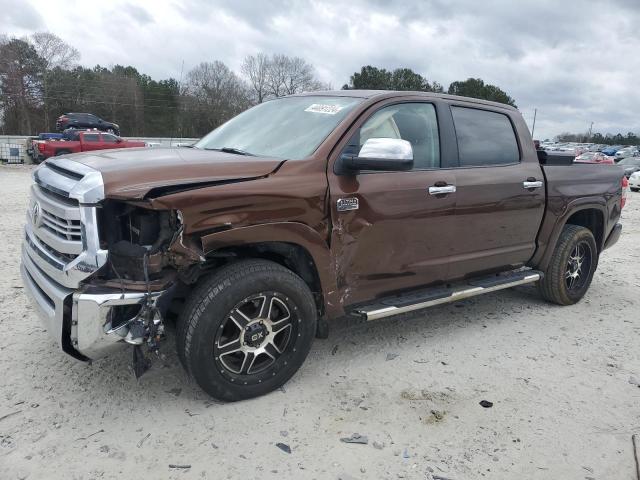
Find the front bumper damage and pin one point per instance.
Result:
(91, 323)
(62, 260)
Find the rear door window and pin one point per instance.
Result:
(484, 138)
(91, 137)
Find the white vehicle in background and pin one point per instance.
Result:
(625, 152)
(634, 182)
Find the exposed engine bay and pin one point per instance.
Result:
(138, 240)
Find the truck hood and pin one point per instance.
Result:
(135, 173)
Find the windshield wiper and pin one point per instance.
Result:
(233, 150)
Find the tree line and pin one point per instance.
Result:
(41, 78)
(606, 139)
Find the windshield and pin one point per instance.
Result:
(289, 128)
(630, 161)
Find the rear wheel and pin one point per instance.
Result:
(246, 329)
(572, 266)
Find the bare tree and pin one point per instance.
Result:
(55, 53)
(256, 68)
(289, 75)
(220, 93)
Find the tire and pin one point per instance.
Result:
(62, 152)
(228, 309)
(560, 284)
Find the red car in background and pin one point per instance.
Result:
(594, 157)
(83, 142)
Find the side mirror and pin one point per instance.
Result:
(380, 154)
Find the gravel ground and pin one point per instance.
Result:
(558, 377)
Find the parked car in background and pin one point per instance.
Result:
(594, 157)
(611, 151)
(86, 141)
(32, 145)
(625, 152)
(631, 165)
(85, 120)
(634, 181)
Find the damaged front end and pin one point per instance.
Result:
(101, 273)
(127, 301)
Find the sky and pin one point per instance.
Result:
(575, 61)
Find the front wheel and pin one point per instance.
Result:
(246, 329)
(572, 266)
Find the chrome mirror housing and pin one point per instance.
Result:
(387, 148)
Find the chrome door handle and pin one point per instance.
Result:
(441, 190)
(535, 184)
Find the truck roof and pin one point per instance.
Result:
(369, 94)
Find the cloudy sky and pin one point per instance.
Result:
(576, 61)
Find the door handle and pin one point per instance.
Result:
(442, 190)
(532, 184)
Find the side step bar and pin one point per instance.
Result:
(436, 296)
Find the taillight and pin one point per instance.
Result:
(41, 147)
(625, 188)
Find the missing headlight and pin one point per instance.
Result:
(131, 233)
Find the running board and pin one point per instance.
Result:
(390, 306)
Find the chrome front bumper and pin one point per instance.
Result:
(79, 321)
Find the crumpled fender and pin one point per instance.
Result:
(288, 232)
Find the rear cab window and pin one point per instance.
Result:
(91, 137)
(485, 138)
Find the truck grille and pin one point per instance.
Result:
(61, 227)
(61, 235)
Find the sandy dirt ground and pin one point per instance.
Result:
(558, 377)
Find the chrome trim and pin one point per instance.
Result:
(535, 184)
(61, 250)
(91, 330)
(69, 253)
(71, 165)
(51, 180)
(46, 296)
(69, 212)
(456, 295)
(442, 190)
(66, 274)
(391, 148)
(89, 190)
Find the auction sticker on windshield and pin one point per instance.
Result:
(323, 108)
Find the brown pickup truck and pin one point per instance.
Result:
(301, 210)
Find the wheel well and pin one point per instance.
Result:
(290, 255)
(592, 219)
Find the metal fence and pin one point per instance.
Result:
(13, 149)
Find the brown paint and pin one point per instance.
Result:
(400, 238)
